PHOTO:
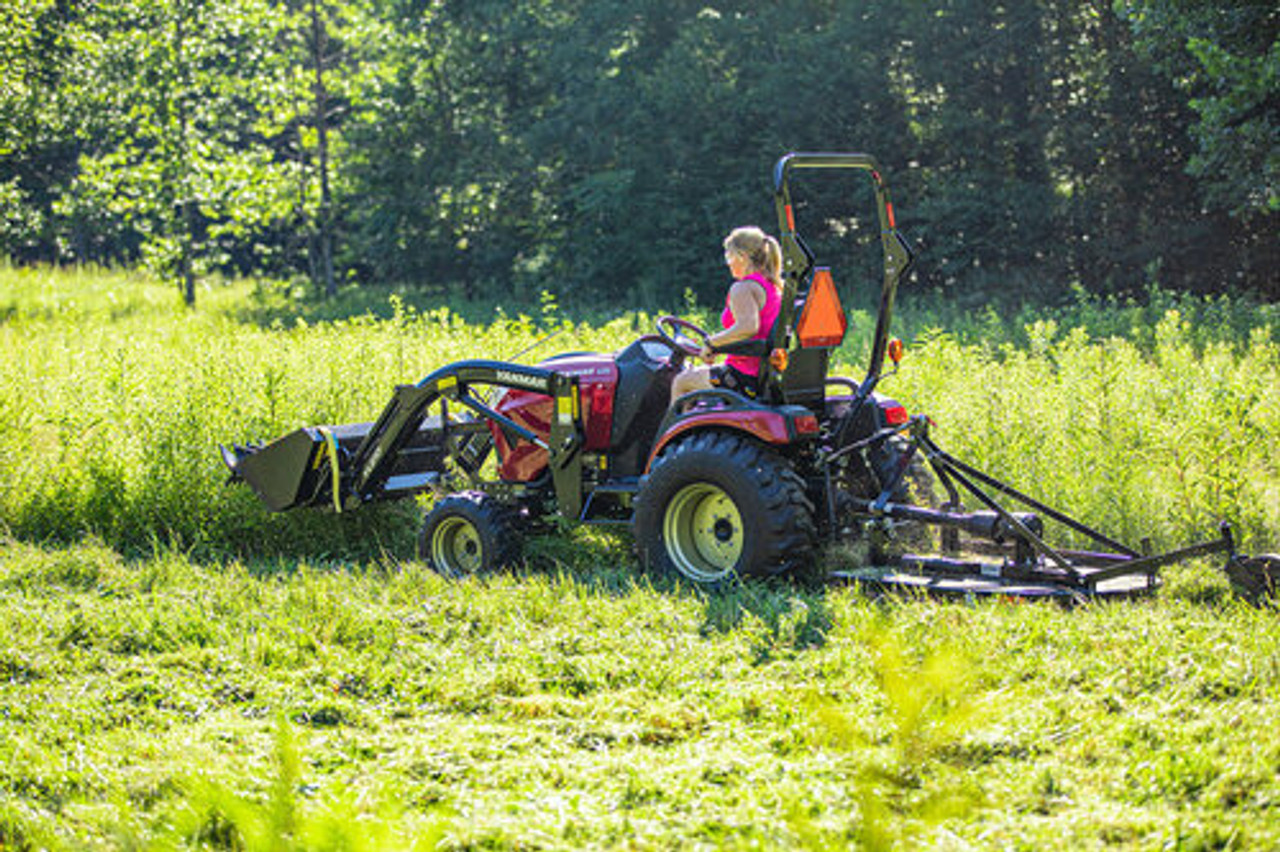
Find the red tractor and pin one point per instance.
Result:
(715, 486)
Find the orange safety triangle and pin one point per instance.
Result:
(822, 320)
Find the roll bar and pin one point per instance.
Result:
(797, 259)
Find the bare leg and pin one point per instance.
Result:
(699, 378)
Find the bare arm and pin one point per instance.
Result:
(745, 300)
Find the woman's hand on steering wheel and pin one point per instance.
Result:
(684, 337)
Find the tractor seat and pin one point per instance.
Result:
(819, 329)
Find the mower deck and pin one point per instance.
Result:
(886, 579)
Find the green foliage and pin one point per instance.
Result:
(1227, 60)
(1152, 420)
(1155, 436)
(128, 450)
(190, 161)
(180, 670)
(600, 148)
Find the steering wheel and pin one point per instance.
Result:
(682, 335)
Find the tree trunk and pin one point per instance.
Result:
(184, 223)
(318, 40)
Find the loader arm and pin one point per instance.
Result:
(404, 451)
(374, 459)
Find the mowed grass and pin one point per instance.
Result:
(166, 703)
(179, 669)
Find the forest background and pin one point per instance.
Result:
(597, 150)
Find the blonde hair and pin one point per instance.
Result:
(762, 252)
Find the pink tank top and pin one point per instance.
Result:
(768, 315)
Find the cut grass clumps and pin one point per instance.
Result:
(187, 703)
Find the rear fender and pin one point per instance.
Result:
(726, 411)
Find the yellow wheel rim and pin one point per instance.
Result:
(703, 532)
(456, 547)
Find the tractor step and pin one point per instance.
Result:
(626, 485)
(412, 483)
(607, 504)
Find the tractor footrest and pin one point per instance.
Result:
(608, 503)
(630, 485)
(411, 483)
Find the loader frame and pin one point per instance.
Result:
(375, 458)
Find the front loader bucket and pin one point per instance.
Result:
(297, 469)
(284, 473)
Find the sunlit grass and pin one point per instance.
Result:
(114, 398)
(168, 703)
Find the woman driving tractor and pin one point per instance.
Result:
(751, 308)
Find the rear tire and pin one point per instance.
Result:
(717, 507)
(468, 533)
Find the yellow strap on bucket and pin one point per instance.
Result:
(331, 444)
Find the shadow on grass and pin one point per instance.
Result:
(258, 540)
(787, 616)
(780, 617)
(784, 615)
(601, 561)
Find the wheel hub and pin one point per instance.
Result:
(703, 532)
(456, 545)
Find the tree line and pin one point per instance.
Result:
(599, 149)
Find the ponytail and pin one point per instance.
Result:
(773, 261)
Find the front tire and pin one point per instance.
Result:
(717, 507)
(468, 533)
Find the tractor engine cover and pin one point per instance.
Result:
(523, 461)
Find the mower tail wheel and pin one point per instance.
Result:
(468, 533)
(1256, 578)
(718, 506)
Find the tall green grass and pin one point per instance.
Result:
(113, 401)
(114, 398)
(1160, 442)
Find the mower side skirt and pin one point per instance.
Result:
(979, 586)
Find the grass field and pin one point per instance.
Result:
(179, 669)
